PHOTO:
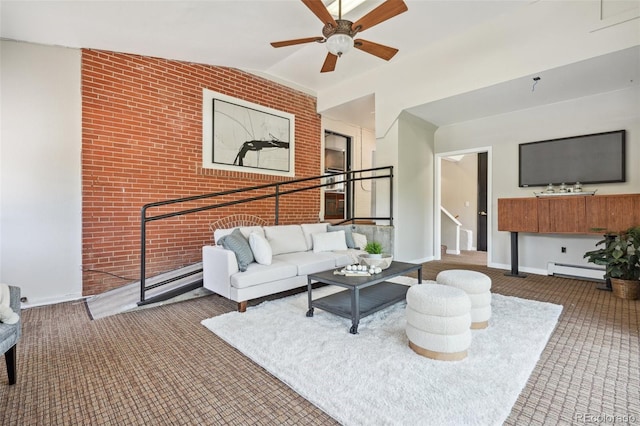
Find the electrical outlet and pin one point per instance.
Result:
(563, 249)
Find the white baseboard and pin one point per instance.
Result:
(423, 260)
(51, 300)
(575, 271)
(506, 267)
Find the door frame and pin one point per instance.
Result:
(437, 226)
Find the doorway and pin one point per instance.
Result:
(337, 159)
(467, 195)
(481, 240)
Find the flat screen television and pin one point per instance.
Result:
(595, 158)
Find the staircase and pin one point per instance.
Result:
(185, 281)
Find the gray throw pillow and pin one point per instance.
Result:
(240, 246)
(347, 234)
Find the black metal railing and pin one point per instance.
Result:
(278, 190)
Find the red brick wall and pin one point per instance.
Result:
(142, 142)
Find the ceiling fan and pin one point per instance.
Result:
(338, 33)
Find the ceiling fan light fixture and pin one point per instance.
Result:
(339, 44)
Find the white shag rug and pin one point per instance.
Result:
(375, 378)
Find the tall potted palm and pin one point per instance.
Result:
(620, 255)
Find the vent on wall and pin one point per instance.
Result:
(575, 271)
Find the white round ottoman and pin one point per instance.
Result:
(438, 320)
(477, 286)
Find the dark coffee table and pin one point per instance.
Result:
(366, 295)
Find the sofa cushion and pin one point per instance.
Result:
(246, 231)
(237, 243)
(347, 257)
(308, 262)
(258, 274)
(347, 233)
(329, 241)
(360, 240)
(285, 238)
(260, 248)
(312, 228)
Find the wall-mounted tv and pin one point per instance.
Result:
(595, 158)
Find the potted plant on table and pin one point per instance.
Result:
(620, 255)
(375, 257)
(374, 249)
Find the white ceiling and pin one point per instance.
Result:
(606, 73)
(237, 34)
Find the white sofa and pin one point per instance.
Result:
(293, 257)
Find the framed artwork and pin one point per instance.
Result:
(242, 136)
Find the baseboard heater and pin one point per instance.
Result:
(575, 271)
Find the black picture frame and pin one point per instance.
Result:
(243, 136)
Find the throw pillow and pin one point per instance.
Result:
(309, 229)
(236, 242)
(247, 230)
(260, 248)
(219, 233)
(329, 241)
(285, 238)
(360, 240)
(347, 234)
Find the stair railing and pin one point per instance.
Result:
(279, 190)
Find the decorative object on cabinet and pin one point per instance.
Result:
(568, 192)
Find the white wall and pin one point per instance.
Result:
(599, 113)
(415, 176)
(40, 173)
(408, 146)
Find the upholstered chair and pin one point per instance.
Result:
(10, 334)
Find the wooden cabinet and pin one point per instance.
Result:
(596, 214)
(624, 212)
(334, 205)
(518, 214)
(612, 213)
(562, 215)
(575, 214)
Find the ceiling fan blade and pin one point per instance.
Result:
(320, 10)
(296, 41)
(379, 50)
(386, 10)
(329, 63)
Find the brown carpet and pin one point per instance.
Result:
(161, 366)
